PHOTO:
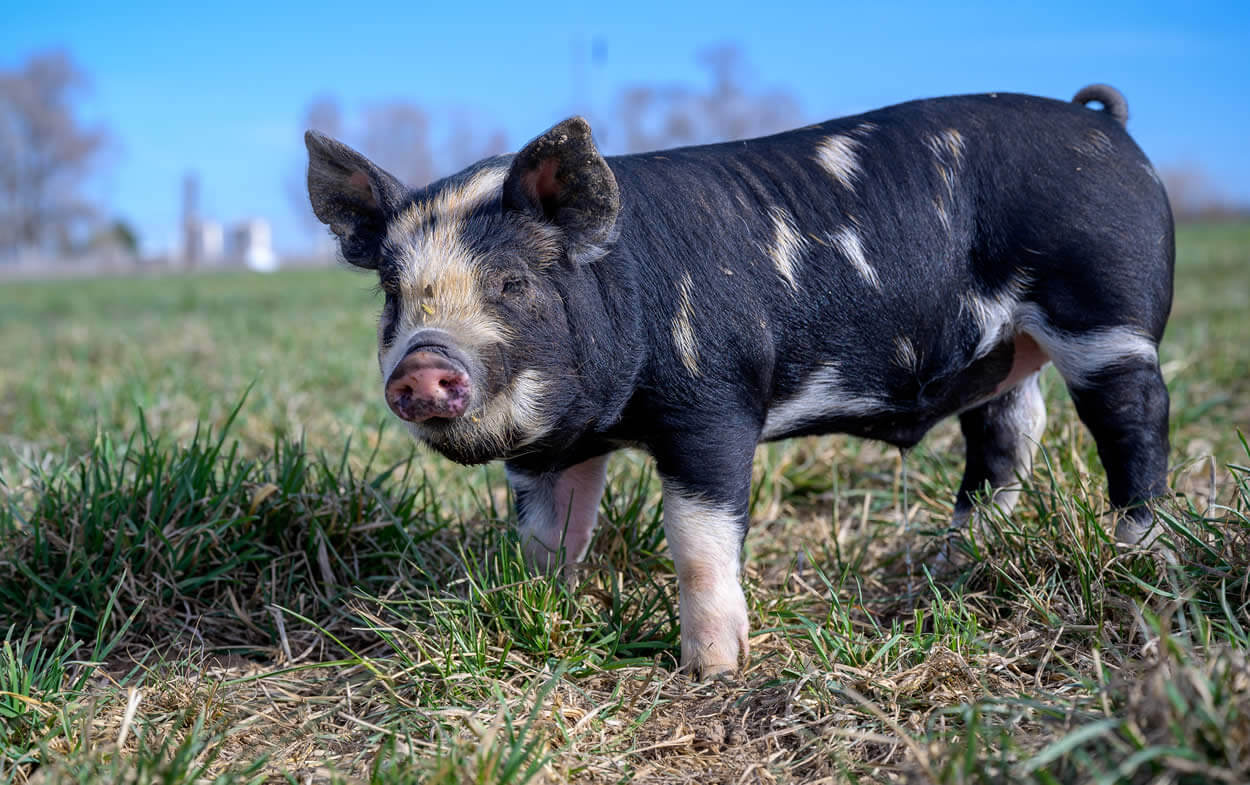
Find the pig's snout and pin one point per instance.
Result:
(427, 384)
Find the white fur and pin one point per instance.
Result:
(787, 246)
(1028, 420)
(947, 145)
(993, 316)
(847, 241)
(704, 540)
(684, 339)
(838, 156)
(905, 355)
(822, 396)
(1079, 357)
(1096, 144)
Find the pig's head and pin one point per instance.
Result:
(474, 338)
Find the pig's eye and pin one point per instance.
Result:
(513, 286)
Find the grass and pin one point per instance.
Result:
(217, 565)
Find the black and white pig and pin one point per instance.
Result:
(870, 275)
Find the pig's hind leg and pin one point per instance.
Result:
(1112, 373)
(1126, 410)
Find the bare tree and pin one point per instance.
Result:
(323, 114)
(46, 154)
(652, 117)
(413, 143)
(396, 135)
(470, 139)
(1195, 197)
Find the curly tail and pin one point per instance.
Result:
(1112, 100)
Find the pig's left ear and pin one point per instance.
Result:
(560, 177)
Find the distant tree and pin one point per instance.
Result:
(396, 136)
(1194, 196)
(470, 139)
(46, 154)
(415, 144)
(116, 235)
(652, 117)
(323, 114)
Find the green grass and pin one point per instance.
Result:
(218, 565)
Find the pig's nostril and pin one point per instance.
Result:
(444, 383)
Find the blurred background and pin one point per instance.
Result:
(168, 136)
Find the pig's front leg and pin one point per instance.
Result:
(705, 521)
(557, 512)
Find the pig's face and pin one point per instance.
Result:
(474, 343)
(472, 331)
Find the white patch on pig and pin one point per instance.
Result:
(944, 217)
(684, 339)
(905, 355)
(561, 510)
(993, 317)
(454, 202)
(947, 147)
(847, 241)
(787, 246)
(821, 397)
(521, 407)
(1079, 357)
(838, 156)
(1027, 419)
(705, 542)
(1095, 144)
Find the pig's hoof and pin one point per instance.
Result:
(1141, 532)
(1137, 532)
(718, 654)
(710, 671)
(948, 553)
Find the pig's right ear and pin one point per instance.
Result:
(561, 178)
(352, 196)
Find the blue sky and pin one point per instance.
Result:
(220, 88)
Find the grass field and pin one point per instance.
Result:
(217, 564)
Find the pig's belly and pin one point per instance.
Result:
(903, 416)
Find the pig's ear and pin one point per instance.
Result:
(352, 196)
(560, 177)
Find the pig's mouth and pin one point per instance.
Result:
(460, 405)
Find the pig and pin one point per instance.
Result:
(870, 275)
